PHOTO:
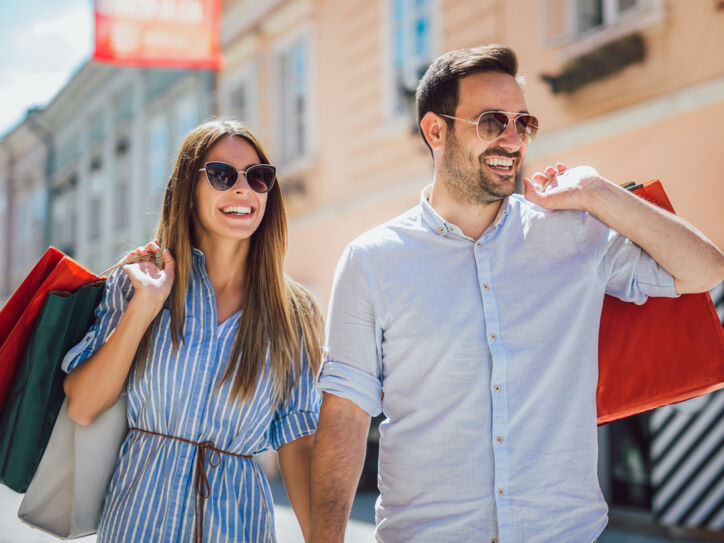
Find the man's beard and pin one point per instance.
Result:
(471, 184)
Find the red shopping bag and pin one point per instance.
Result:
(13, 309)
(662, 352)
(54, 271)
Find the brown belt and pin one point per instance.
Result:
(201, 480)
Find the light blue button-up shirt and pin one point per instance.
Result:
(483, 355)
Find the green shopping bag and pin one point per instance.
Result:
(37, 392)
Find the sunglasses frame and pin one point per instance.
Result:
(245, 172)
(509, 114)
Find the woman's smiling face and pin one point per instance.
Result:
(235, 213)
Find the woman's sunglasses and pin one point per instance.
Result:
(223, 176)
(492, 124)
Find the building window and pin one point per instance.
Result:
(96, 205)
(187, 118)
(158, 156)
(239, 101)
(64, 220)
(22, 229)
(3, 231)
(241, 98)
(592, 14)
(564, 21)
(29, 225)
(39, 202)
(411, 42)
(122, 196)
(121, 200)
(293, 85)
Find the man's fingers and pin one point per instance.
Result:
(561, 167)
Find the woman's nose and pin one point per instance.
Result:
(241, 184)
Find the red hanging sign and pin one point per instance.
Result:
(158, 33)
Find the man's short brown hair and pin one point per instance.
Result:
(438, 90)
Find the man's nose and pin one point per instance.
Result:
(510, 139)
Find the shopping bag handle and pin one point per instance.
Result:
(158, 260)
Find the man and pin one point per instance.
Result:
(472, 322)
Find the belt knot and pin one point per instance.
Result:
(202, 488)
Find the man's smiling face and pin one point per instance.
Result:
(480, 171)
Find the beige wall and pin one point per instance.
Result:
(684, 152)
(657, 119)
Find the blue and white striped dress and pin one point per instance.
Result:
(151, 495)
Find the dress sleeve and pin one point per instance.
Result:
(352, 367)
(116, 295)
(628, 272)
(298, 416)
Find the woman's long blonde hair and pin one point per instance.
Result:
(278, 314)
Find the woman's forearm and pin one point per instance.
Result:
(94, 386)
(295, 460)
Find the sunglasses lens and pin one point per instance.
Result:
(221, 176)
(491, 125)
(261, 177)
(527, 127)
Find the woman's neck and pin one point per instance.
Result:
(225, 261)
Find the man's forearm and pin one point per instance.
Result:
(695, 262)
(337, 459)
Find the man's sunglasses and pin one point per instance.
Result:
(492, 124)
(223, 176)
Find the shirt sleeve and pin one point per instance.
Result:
(628, 272)
(116, 295)
(299, 415)
(352, 368)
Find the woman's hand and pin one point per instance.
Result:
(151, 285)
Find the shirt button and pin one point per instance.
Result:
(493, 337)
(501, 492)
(497, 388)
(493, 540)
(499, 439)
(486, 286)
(478, 244)
(442, 229)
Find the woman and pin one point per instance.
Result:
(218, 351)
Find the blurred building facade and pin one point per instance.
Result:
(632, 87)
(86, 173)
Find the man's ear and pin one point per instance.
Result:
(433, 128)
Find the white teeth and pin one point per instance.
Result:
(494, 161)
(237, 210)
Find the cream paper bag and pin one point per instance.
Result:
(66, 494)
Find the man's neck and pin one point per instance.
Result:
(472, 218)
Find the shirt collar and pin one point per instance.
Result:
(197, 257)
(441, 227)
